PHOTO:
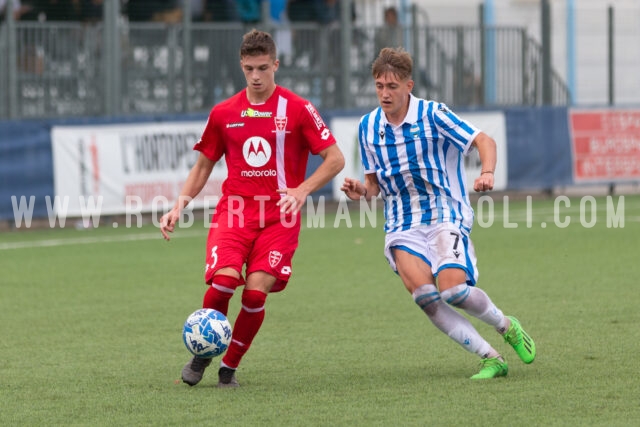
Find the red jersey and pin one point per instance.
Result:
(266, 146)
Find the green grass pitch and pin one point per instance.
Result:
(91, 329)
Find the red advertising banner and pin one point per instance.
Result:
(606, 145)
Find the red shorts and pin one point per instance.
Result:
(252, 233)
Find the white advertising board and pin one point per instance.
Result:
(127, 166)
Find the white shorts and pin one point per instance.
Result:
(440, 245)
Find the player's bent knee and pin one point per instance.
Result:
(456, 295)
(227, 271)
(225, 282)
(451, 276)
(253, 300)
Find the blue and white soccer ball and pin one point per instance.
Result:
(206, 333)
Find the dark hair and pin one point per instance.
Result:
(391, 11)
(256, 43)
(393, 60)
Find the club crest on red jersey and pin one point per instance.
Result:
(274, 258)
(281, 123)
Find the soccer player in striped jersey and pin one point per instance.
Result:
(412, 151)
(265, 133)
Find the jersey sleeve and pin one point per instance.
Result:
(314, 130)
(211, 143)
(366, 155)
(459, 131)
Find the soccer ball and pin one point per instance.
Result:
(206, 333)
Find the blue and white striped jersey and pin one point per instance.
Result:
(419, 165)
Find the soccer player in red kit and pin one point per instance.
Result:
(265, 133)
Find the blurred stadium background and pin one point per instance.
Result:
(560, 79)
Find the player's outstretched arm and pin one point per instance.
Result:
(488, 154)
(332, 164)
(196, 180)
(354, 189)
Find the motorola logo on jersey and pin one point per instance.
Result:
(256, 151)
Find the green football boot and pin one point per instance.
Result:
(521, 342)
(491, 367)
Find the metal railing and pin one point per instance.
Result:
(115, 67)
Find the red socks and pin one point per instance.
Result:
(246, 327)
(249, 320)
(220, 292)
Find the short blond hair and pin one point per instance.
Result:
(393, 60)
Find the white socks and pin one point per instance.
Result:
(452, 323)
(477, 303)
